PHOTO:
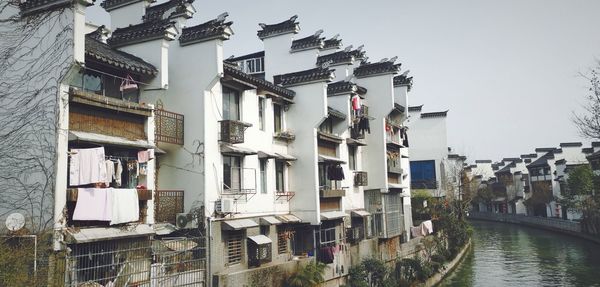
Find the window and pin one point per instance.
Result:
(279, 179)
(253, 66)
(232, 177)
(231, 104)
(282, 241)
(261, 113)
(327, 126)
(352, 157)
(422, 170)
(278, 118)
(233, 247)
(263, 176)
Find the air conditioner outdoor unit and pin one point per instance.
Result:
(225, 205)
(186, 221)
(355, 233)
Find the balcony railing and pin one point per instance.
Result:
(242, 182)
(360, 178)
(327, 192)
(73, 193)
(167, 204)
(232, 131)
(169, 127)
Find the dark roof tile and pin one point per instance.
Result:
(544, 149)
(174, 7)
(314, 41)
(260, 54)
(542, 161)
(142, 32)
(109, 5)
(335, 113)
(306, 76)
(338, 57)
(595, 144)
(483, 161)
(403, 80)
(531, 155)
(30, 7)
(232, 70)
(571, 144)
(287, 26)
(587, 150)
(213, 29)
(434, 114)
(341, 87)
(332, 43)
(103, 53)
(415, 108)
(370, 69)
(595, 155)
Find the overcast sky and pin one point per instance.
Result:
(507, 69)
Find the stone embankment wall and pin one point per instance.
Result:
(552, 224)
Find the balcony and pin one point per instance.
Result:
(360, 178)
(232, 131)
(167, 204)
(169, 127)
(393, 164)
(240, 182)
(327, 192)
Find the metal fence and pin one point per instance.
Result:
(176, 261)
(553, 223)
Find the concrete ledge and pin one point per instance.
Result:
(438, 277)
(551, 224)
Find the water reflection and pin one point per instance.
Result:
(510, 255)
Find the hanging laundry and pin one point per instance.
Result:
(143, 168)
(110, 171)
(326, 254)
(405, 141)
(143, 156)
(125, 206)
(118, 172)
(356, 103)
(93, 204)
(335, 172)
(87, 166)
(364, 125)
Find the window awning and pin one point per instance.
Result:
(330, 159)
(355, 142)
(110, 140)
(105, 233)
(237, 150)
(260, 239)
(269, 220)
(266, 154)
(336, 114)
(330, 215)
(359, 213)
(288, 218)
(238, 224)
(287, 157)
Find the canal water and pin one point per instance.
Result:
(512, 255)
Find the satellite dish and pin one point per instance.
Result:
(15, 221)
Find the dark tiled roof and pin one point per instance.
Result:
(333, 43)
(558, 150)
(140, 33)
(175, 7)
(595, 144)
(369, 69)
(595, 155)
(336, 58)
(453, 155)
(358, 53)
(571, 144)
(113, 4)
(341, 87)
(561, 161)
(316, 74)
(527, 160)
(506, 169)
(34, 6)
(544, 149)
(542, 161)
(511, 159)
(287, 26)
(314, 41)
(231, 70)
(483, 161)
(587, 150)
(213, 29)
(399, 107)
(531, 155)
(103, 53)
(434, 114)
(260, 54)
(403, 80)
(335, 113)
(415, 108)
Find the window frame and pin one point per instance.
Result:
(230, 160)
(280, 170)
(227, 95)
(352, 157)
(261, 113)
(234, 247)
(277, 118)
(263, 166)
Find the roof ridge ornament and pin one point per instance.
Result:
(393, 59)
(222, 16)
(348, 49)
(318, 33)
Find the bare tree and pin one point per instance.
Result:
(589, 122)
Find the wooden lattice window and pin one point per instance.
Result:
(233, 246)
(282, 241)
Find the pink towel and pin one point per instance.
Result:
(143, 156)
(93, 204)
